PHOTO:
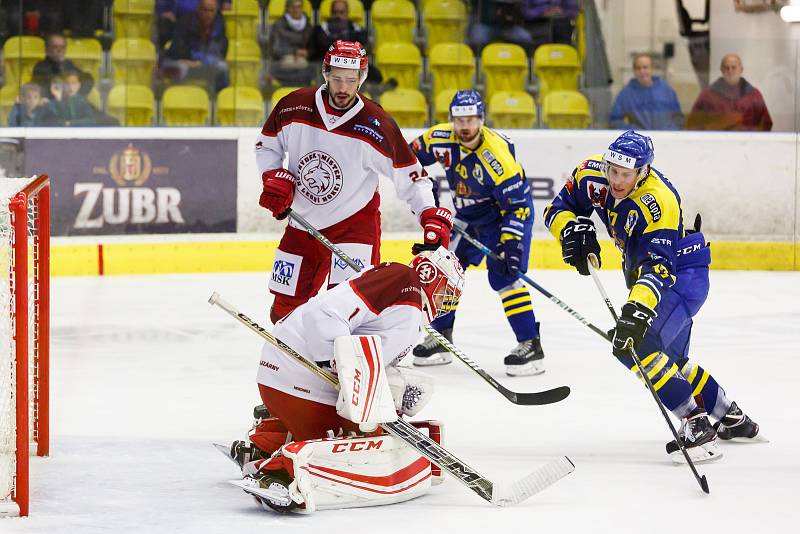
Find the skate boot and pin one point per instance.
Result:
(260, 412)
(242, 453)
(699, 438)
(430, 352)
(736, 426)
(527, 358)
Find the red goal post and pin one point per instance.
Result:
(24, 334)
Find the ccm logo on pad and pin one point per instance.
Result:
(356, 446)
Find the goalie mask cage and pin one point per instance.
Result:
(24, 334)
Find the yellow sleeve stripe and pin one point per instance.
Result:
(520, 300)
(519, 310)
(506, 294)
(664, 379)
(701, 384)
(559, 222)
(643, 295)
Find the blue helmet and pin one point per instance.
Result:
(631, 150)
(467, 104)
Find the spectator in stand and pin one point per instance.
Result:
(72, 89)
(339, 27)
(550, 21)
(42, 17)
(69, 106)
(647, 102)
(198, 47)
(730, 103)
(32, 109)
(290, 41)
(169, 11)
(56, 64)
(499, 21)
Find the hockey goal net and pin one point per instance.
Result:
(24, 333)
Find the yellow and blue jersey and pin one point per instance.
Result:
(488, 184)
(646, 226)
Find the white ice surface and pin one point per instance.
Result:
(146, 375)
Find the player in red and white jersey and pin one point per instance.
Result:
(382, 310)
(320, 153)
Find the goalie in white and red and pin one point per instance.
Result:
(301, 458)
(320, 153)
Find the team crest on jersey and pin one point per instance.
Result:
(319, 177)
(652, 206)
(463, 190)
(630, 222)
(492, 161)
(597, 194)
(570, 184)
(443, 156)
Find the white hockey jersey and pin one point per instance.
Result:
(385, 301)
(337, 158)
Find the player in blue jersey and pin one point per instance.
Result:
(493, 202)
(666, 271)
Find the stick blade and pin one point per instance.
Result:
(213, 298)
(542, 397)
(526, 487)
(704, 484)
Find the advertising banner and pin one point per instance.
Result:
(118, 186)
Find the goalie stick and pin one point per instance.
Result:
(700, 479)
(536, 398)
(498, 495)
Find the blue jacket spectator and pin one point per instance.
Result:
(647, 102)
(168, 11)
(31, 110)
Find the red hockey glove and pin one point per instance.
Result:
(278, 192)
(436, 226)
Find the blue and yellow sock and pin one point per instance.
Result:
(519, 312)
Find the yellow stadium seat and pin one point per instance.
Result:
(355, 11)
(442, 105)
(185, 105)
(406, 106)
(94, 98)
(505, 66)
(240, 106)
(131, 105)
(20, 54)
(566, 109)
(87, 54)
(133, 18)
(279, 93)
(512, 109)
(445, 21)
(244, 60)
(401, 61)
(452, 66)
(241, 20)
(8, 97)
(277, 8)
(557, 66)
(133, 61)
(393, 20)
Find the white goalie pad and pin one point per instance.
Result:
(411, 389)
(356, 472)
(364, 394)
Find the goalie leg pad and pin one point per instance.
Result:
(364, 394)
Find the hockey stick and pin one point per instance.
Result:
(498, 495)
(523, 276)
(701, 479)
(548, 396)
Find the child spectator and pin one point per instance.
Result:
(31, 110)
(68, 104)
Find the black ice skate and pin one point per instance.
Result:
(242, 453)
(737, 426)
(430, 352)
(270, 491)
(699, 438)
(527, 358)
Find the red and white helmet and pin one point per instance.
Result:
(346, 55)
(442, 280)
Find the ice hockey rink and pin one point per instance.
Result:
(146, 375)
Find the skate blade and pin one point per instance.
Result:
(226, 450)
(710, 452)
(758, 438)
(436, 359)
(526, 369)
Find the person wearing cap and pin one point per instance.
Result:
(336, 144)
(493, 203)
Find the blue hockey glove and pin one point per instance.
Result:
(511, 251)
(631, 326)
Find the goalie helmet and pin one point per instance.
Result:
(346, 55)
(631, 150)
(467, 104)
(442, 280)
